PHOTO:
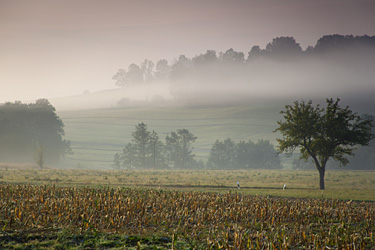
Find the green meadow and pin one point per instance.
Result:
(340, 184)
(96, 135)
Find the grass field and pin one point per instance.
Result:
(96, 135)
(345, 185)
(89, 205)
(181, 209)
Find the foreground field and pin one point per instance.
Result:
(185, 209)
(103, 217)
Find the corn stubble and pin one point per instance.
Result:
(203, 220)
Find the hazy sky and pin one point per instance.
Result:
(51, 48)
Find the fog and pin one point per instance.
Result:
(349, 76)
(55, 49)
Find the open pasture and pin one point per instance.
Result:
(344, 185)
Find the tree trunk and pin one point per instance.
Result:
(321, 175)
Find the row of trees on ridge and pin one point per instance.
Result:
(280, 49)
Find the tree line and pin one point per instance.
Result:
(205, 66)
(146, 150)
(31, 132)
(244, 154)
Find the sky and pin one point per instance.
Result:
(52, 48)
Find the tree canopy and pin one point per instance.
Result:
(178, 147)
(147, 151)
(26, 129)
(280, 48)
(208, 77)
(228, 154)
(321, 133)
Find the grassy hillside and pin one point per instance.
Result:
(96, 135)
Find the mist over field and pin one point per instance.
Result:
(216, 68)
(180, 124)
(213, 79)
(218, 99)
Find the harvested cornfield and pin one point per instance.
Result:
(201, 220)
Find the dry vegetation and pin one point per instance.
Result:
(200, 220)
(181, 209)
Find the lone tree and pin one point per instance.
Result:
(322, 133)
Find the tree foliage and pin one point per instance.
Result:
(147, 151)
(27, 128)
(280, 48)
(162, 70)
(192, 79)
(223, 154)
(228, 154)
(321, 133)
(283, 47)
(179, 149)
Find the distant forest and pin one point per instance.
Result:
(189, 77)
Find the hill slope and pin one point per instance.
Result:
(97, 134)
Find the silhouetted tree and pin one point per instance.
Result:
(163, 70)
(145, 150)
(118, 161)
(363, 157)
(203, 59)
(134, 74)
(232, 56)
(322, 133)
(265, 156)
(346, 47)
(141, 140)
(243, 155)
(223, 154)
(25, 128)
(181, 78)
(120, 78)
(254, 53)
(180, 69)
(283, 48)
(129, 158)
(333, 42)
(147, 68)
(158, 151)
(179, 150)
